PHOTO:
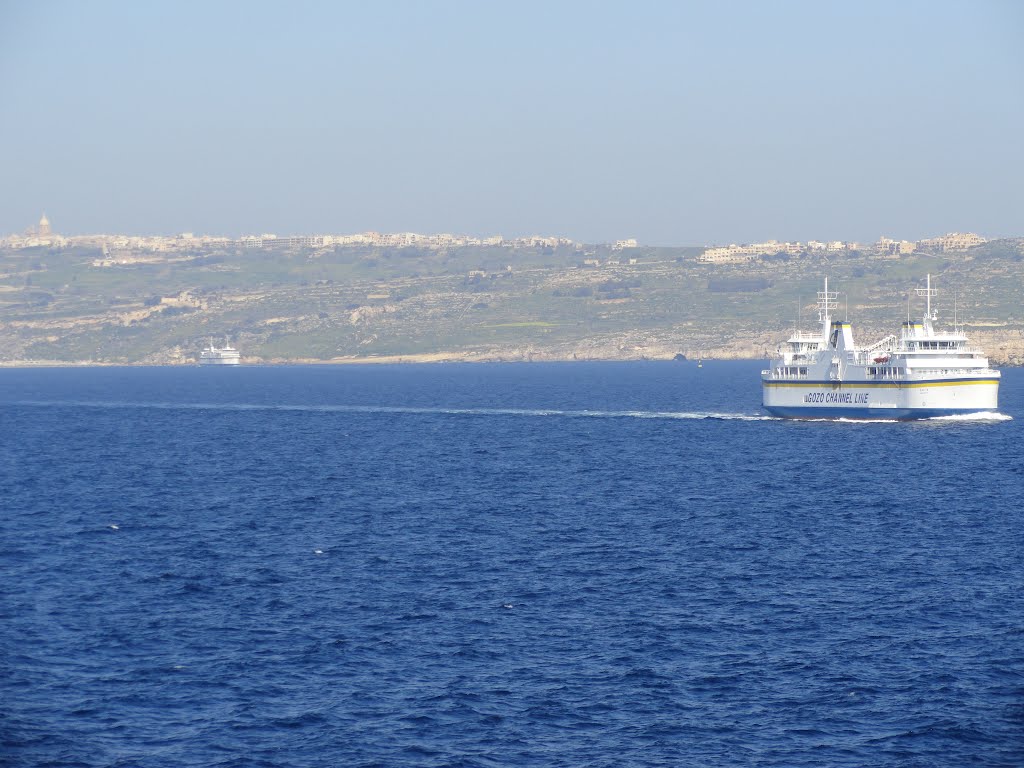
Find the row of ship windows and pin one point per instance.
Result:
(792, 371)
(934, 345)
(885, 372)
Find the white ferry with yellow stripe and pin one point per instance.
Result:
(921, 374)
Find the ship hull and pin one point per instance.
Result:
(869, 414)
(219, 361)
(924, 399)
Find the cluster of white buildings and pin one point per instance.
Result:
(399, 240)
(954, 241)
(43, 236)
(734, 253)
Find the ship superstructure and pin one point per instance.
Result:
(921, 373)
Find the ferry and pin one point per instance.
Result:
(226, 355)
(920, 374)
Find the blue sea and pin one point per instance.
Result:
(577, 564)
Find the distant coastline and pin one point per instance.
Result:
(1000, 359)
(544, 300)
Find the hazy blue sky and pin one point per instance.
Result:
(671, 122)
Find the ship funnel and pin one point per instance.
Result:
(840, 336)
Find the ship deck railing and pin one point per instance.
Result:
(862, 357)
(805, 336)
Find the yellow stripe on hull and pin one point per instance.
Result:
(881, 384)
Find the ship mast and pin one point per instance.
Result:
(827, 300)
(927, 292)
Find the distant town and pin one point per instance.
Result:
(953, 242)
(43, 235)
(122, 249)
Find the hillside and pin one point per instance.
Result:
(79, 306)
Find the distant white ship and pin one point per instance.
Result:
(920, 374)
(226, 355)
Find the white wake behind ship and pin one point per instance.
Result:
(920, 374)
(226, 355)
